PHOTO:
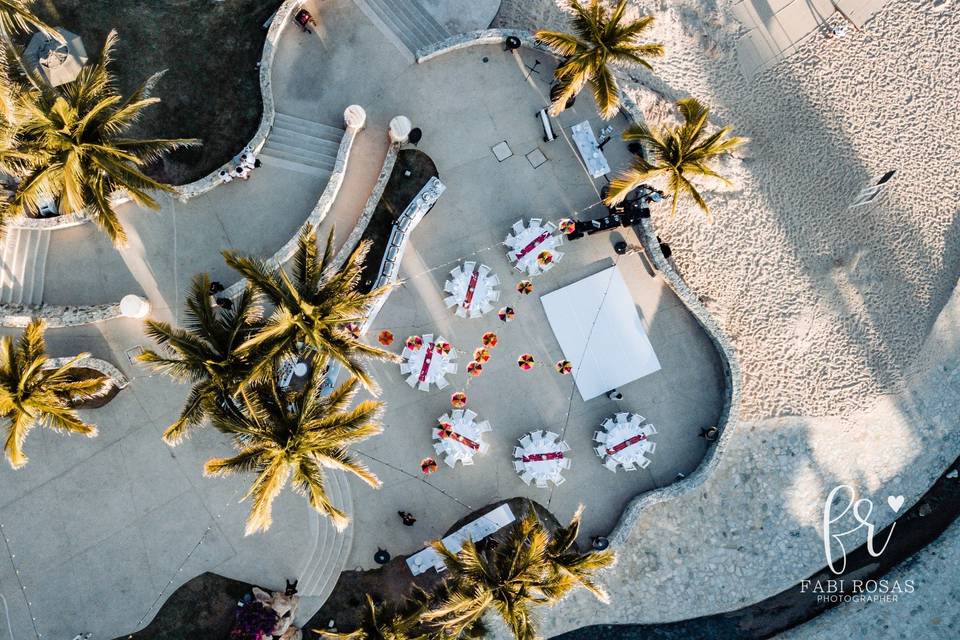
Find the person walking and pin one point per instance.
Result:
(408, 519)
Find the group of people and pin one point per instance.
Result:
(244, 164)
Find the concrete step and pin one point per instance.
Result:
(405, 22)
(330, 556)
(275, 158)
(310, 147)
(24, 258)
(309, 127)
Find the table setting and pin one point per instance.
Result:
(541, 457)
(624, 442)
(459, 437)
(427, 361)
(472, 288)
(533, 247)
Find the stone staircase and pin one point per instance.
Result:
(302, 145)
(405, 22)
(325, 564)
(22, 262)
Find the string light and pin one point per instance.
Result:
(23, 588)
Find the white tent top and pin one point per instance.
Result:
(599, 330)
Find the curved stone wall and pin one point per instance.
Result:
(19, 316)
(281, 21)
(355, 119)
(119, 380)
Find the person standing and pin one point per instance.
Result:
(408, 519)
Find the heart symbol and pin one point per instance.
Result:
(895, 502)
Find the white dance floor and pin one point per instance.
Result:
(599, 330)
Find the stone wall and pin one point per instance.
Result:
(119, 380)
(19, 316)
(322, 208)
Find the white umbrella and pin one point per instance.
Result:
(58, 62)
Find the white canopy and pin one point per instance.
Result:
(597, 325)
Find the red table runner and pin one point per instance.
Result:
(626, 443)
(453, 435)
(539, 457)
(533, 243)
(426, 362)
(471, 289)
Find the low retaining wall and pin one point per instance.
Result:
(476, 38)
(355, 119)
(354, 238)
(281, 20)
(119, 380)
(19, 316)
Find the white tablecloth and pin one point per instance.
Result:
(462, 423)
(483, 293)
(528, 262)
(414, 358)
(586, 142)
(621, 431)
(543, 470)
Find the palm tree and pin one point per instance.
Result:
(601, 39)
(312, 307)
(530, 568)
(32, 393)
(576, 568)
(204, 352)
(284, 436)
(74, 133)
(678, 152)
(380, 622)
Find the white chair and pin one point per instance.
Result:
(651, 446)
(439, 448)
(525, 441)
(518, 466)
(644, 463)
(636, 418)
(484, 270)
(449, 367)
(493, 279)
(442, 383)
(607, 423)
(484, 447)
(424, 386)
(541, 482)
(611, 464)
(517, 452)
(458, 414)
(549, 226)
(557, 240)
(468, 267)
(451, 301)
(485, 306)
(518, 227)
(599, 436)
(550, 435)
(456, 272)
(405, 368)
(563, 446)
(536, 222)
(620, 417)
(412, 380)
(427, 338)
(537, 435)
(559, 480)
(494, 296)
(565, 463)
(649, 429)
(444, 418)
(512, 257)
(466, 462)
(601, 450)
(526, 476)
(469, 414)
(557, 257)
(450, 461)
(460, 312)
(483, 427)
(450, 286)
(629, 466)
(519, 267)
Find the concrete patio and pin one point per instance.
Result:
(109, 511)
